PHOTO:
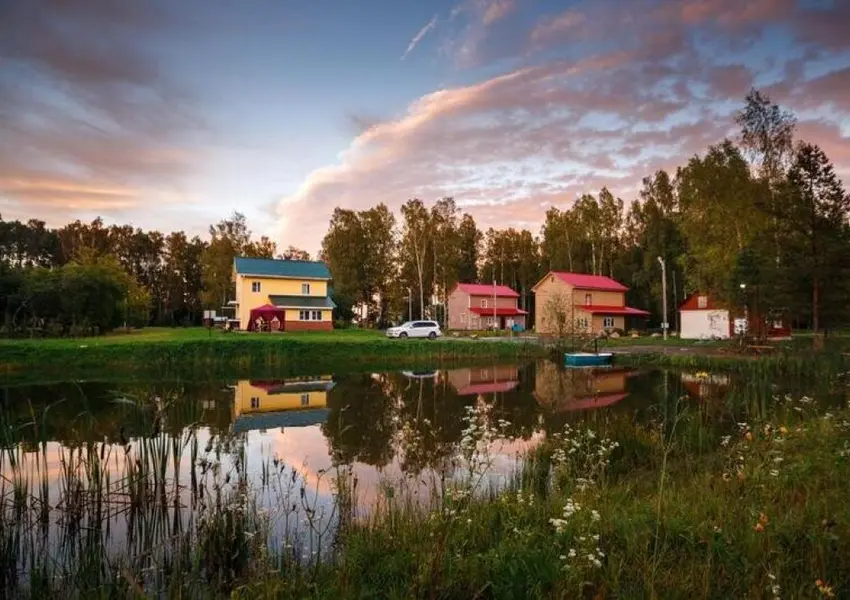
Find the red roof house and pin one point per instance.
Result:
(588, 303)
(474, 306)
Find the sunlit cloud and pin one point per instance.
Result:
(513, 144)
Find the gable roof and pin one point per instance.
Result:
(483, 289)
(269, 267)
(587, 282)
(711, 303)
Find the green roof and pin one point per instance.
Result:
(303, 301)
(281, 268)
(283, 418)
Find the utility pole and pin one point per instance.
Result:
(664, 324)
(409, 304)
(495, 322)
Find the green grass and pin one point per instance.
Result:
(646, 340)
(175, 334)
(170, 352)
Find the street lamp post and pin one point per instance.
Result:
(664, 324)
(409, 304)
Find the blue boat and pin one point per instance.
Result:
(587, 359)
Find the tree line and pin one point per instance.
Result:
(761, 223)
(86, 278)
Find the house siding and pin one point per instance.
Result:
(273, 286)
(266, 402)
(458, 310)
(545, 291)
(551, 286)
(598, 297)
(461, 318)
(599, 322)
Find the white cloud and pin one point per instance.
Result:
(418, 37)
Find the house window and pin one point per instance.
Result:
(702, 301)
(483, 302)
(608, 322)
(303, 315)
(255, 286)
(305, 399)
(309, 315)
(588, 299)
(316, 315)
(463, 317)
(255, 402)
(305, 289)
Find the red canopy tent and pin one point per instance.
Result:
(267, 313)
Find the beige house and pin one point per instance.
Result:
(580, 303)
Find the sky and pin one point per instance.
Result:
(172, 115)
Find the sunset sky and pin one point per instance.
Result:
(170, 115)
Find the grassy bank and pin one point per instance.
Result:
(793, 361)
(677, 510)
(169, 351)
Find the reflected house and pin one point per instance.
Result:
(287, 403)
(579, 389)
(484, 380)
(705, 386)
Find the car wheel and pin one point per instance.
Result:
(402, 335)
(432, 336)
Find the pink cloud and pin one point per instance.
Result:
(567, 22)
(496, 10)
(729, 13)
(509, 146)
(90, 120)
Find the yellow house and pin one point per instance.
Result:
(580, 303)
(295, 293)
(287, 403)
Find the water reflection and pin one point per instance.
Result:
(289, 403)
(162, 450)
(383, 425)
(560, 389)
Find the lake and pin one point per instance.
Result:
(129, 468)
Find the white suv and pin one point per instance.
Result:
(416, 329)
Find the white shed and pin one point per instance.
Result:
(701, 318)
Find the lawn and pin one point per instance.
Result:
(184, 334)
(195, 352)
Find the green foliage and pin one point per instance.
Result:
(229, 238)
(360, 252)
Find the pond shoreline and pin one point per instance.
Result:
(236, 354)
(185, 353)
